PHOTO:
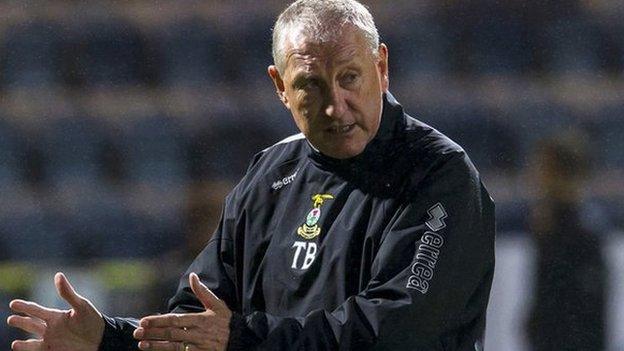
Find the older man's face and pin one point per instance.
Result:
(334, 90)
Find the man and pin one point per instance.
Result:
(568, 310)
(370, 230)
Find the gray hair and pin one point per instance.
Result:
(321, 20)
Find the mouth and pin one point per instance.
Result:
(341, 129)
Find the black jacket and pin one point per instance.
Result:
(390, 250)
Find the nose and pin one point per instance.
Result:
(336, 103)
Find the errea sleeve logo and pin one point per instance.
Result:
(428, 250)
(437, 214)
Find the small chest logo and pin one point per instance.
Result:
(310, 229)
(284, 181)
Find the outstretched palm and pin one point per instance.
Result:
(77, 329)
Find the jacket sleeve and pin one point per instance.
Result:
(430, 284)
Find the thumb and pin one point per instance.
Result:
(66, 292)
(205, 296)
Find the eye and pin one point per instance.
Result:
(307, 84)
(349, 78)
(311, 83)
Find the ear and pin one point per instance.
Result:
(279, 85)
(382, 65)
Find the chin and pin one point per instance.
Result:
(345, 153)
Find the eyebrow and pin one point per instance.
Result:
(299, 77)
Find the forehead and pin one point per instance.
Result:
(302, 51)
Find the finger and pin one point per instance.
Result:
(205, 296)
(27, 345)
(170, 320)
(28, 324)
(176, 346)
(166, 334)
(33, 309)
(67, 291)
(161, 346)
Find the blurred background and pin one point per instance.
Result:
(123, 124)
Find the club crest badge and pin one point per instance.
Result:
(310, 229)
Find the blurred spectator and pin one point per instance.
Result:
(203, 210)
(204, 202)
(568, 310)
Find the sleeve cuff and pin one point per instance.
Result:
(241, 337)
(115, 337)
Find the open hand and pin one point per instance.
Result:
(78, 329)
(208, 330)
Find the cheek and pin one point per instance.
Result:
(307, 105)
(302, 114)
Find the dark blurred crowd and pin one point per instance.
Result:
(124, 123)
